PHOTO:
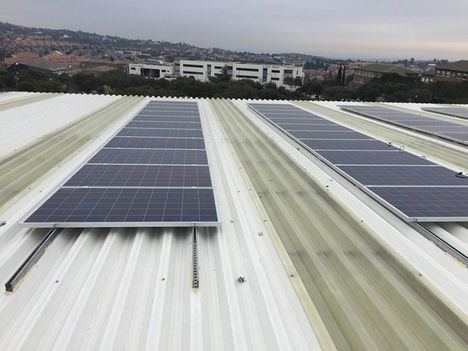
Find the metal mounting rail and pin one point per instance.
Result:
(33, 257)
(195, 278)
(442, 244)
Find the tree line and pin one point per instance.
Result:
(390, 87)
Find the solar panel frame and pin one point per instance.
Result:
(367, 189)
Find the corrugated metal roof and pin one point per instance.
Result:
(131, 288)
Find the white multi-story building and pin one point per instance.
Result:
(204, 70)
(151, 70)
(264, 74)
(200, 70)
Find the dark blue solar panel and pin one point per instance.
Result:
(378, 166)
(301, 134)
(140, 176)
(153, 172)
(166, 125)
(154, 156)
(165, 119)
(409, 120)
(404, 175)
(372, 158)
(427, 203)
(155, 143)
(330, 127)
(348, 145)
(114, 206)
(164, 133)
(454, 111)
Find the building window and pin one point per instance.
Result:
(246, 77)
(274, 78)
(275, 71)
(190, 65)
(192, 72)
(133, 68)
(248, 69)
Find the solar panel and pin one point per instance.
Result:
(152, 156)
(155, 143)
(427, 204)
(383, 171)
(409, 120)
(108, 207)
(345, 157)
(454, 111)
(93, 175)
(165, 118)
(166, 125)
(161, 133)
(311, 134)
(329, 127)
(404, 175)
(338, 144)
(148, 174)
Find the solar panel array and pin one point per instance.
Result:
(411, 186)
(454, 111)
(153, 172)
(442, 129)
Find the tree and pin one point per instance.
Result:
(225, 76)
(339, 77)
(343, 77)
(290, 81)
(313, 87)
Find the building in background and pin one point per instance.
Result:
(366, 73)
(280, 75)
(156, 71)
(453, 71)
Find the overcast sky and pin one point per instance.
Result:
(334, 28)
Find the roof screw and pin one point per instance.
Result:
(260, 233)
(242, 279)
(2, 223)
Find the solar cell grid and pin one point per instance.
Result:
(140, 176)
(427, 203)
(155, 143)
(103, 206)
(348, 145)
(165, 119)
(404, 175)
(344, 157)
(329, 135)
(317, 127)
(167, 125)
(164, 133)
(154, 156)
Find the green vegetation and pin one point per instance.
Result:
(390, 87)
(117, 82)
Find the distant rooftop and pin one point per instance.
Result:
(460, 66)
(385, 68)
